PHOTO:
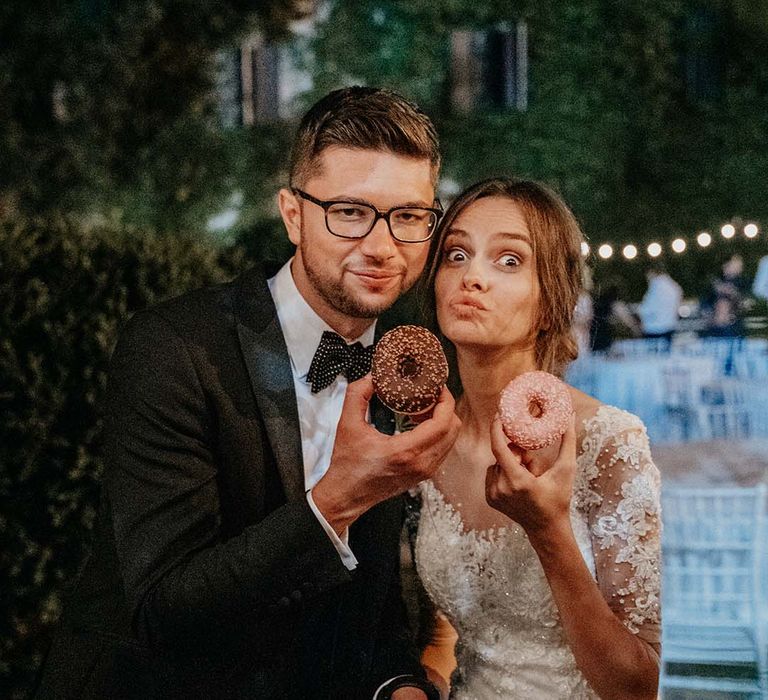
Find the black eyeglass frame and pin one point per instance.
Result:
(327, 204)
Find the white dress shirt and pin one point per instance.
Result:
(760, 285)
(318, 413)
(658, 310)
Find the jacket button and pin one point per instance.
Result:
(296, 596)
(284, 602)
(308, 587)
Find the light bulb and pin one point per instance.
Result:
(750, 230)
(678, 245)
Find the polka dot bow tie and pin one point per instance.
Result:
(334, 357)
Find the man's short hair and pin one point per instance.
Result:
(362, 118)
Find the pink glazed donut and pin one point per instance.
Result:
(535, 409)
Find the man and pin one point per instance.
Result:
(760, 283)
(658, 310)
(725, 302)
(248, 544)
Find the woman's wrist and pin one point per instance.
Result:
(549, 539)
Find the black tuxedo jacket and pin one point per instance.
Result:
(210, 577)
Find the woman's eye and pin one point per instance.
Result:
(455, 255)
(509, 260)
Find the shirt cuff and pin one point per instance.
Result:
(341, 543)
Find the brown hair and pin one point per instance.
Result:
(364, 118)
(556, 241)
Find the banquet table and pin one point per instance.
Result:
(646, 387)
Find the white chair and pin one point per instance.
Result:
(715, 628)
(639, 347)
(724, 422)
(683, 379)
(722, 350)
(751, 362)
(757, 400)
(724, 413)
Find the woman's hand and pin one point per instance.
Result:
(538, 461)
(536, 501)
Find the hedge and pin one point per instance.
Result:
(65, 290)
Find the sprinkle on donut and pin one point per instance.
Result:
(409, 369)
(535, 410)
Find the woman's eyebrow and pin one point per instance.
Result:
(508, 235)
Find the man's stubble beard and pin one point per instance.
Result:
(334, 293)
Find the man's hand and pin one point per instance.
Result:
(368, 467)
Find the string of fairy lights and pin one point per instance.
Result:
(678, 246)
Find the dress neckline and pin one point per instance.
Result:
(496, 532)
(491, 535)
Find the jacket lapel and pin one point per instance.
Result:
(269, 369)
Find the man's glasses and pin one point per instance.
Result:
(356, 219)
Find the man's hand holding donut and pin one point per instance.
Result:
(368, 467)
(536, 502)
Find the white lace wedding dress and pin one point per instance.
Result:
(492, 587)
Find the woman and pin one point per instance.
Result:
(546, 563)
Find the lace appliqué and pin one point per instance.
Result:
(491, 586)
(620, 485)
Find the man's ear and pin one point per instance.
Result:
(290, 211)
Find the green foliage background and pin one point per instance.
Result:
(112, 162)
(65, 290)
(116, 121)
(609, 124)
(109, 111)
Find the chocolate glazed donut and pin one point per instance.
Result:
(409, 369)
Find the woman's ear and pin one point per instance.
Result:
(290, 212)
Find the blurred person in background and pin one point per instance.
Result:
(611, 317)
(760, 283)
(658, 311)
(724, 303)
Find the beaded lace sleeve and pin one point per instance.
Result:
(619, 491)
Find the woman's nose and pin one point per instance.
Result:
(474, 277)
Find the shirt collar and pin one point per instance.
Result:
(302, 327)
